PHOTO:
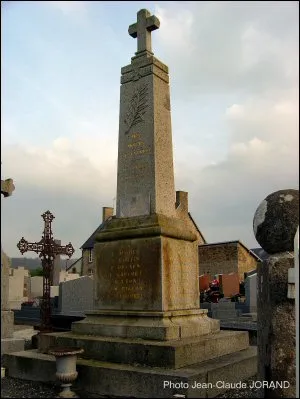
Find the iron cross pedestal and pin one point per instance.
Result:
(47, 249)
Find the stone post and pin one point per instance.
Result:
(7, 316)
(8, 343)
(275, 223)
(296, 253)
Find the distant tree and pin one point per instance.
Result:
(36, 272)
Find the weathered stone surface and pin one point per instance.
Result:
(7, 323)
(4, 281)
(276, 337)
(7, 187)
(276, 220)
(146, 278)
(137, 381)
(9, 345)
(142, 30)
(145, 182)
(161, 326)
(70, 302)
(173, 353)
(146, 263)
(8, 342)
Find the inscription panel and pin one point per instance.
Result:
(133, 175)
(128, 275)
(136, 158)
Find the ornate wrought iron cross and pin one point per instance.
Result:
(47, 249)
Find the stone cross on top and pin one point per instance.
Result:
(142, 30)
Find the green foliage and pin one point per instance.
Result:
(36, 272)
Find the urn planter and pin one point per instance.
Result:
(66, 368)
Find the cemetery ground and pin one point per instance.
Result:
(15, 388)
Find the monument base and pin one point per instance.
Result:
(161, 326)
(172, 354)
(98, 379)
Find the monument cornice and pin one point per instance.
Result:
(144, 66)
(154, 225)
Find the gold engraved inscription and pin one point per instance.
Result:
(126, 275)
(136, 146)
(136, 136)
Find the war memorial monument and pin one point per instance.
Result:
(147, 336)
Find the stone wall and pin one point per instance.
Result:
(247, 262)
(225, 258)
(218, 259)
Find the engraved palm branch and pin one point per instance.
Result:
(137, 107)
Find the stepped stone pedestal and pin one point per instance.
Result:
(147, 336)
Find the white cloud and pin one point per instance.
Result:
(176, 29)
(234, 87)
(85, 166)
(69, 8)
(234, 46)
(235, 111)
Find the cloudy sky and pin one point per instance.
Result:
(234, 96)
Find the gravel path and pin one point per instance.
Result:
(15, 388)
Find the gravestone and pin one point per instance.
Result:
(251, 292)
(36, 287)
(204, 281)
(146, 326)
(76, 296)
(229, 284)
(276, 338)
(8, 342)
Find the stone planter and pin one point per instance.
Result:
(66, 368)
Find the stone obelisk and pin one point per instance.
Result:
(147, 328)
(147, 256)
(145, 183)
